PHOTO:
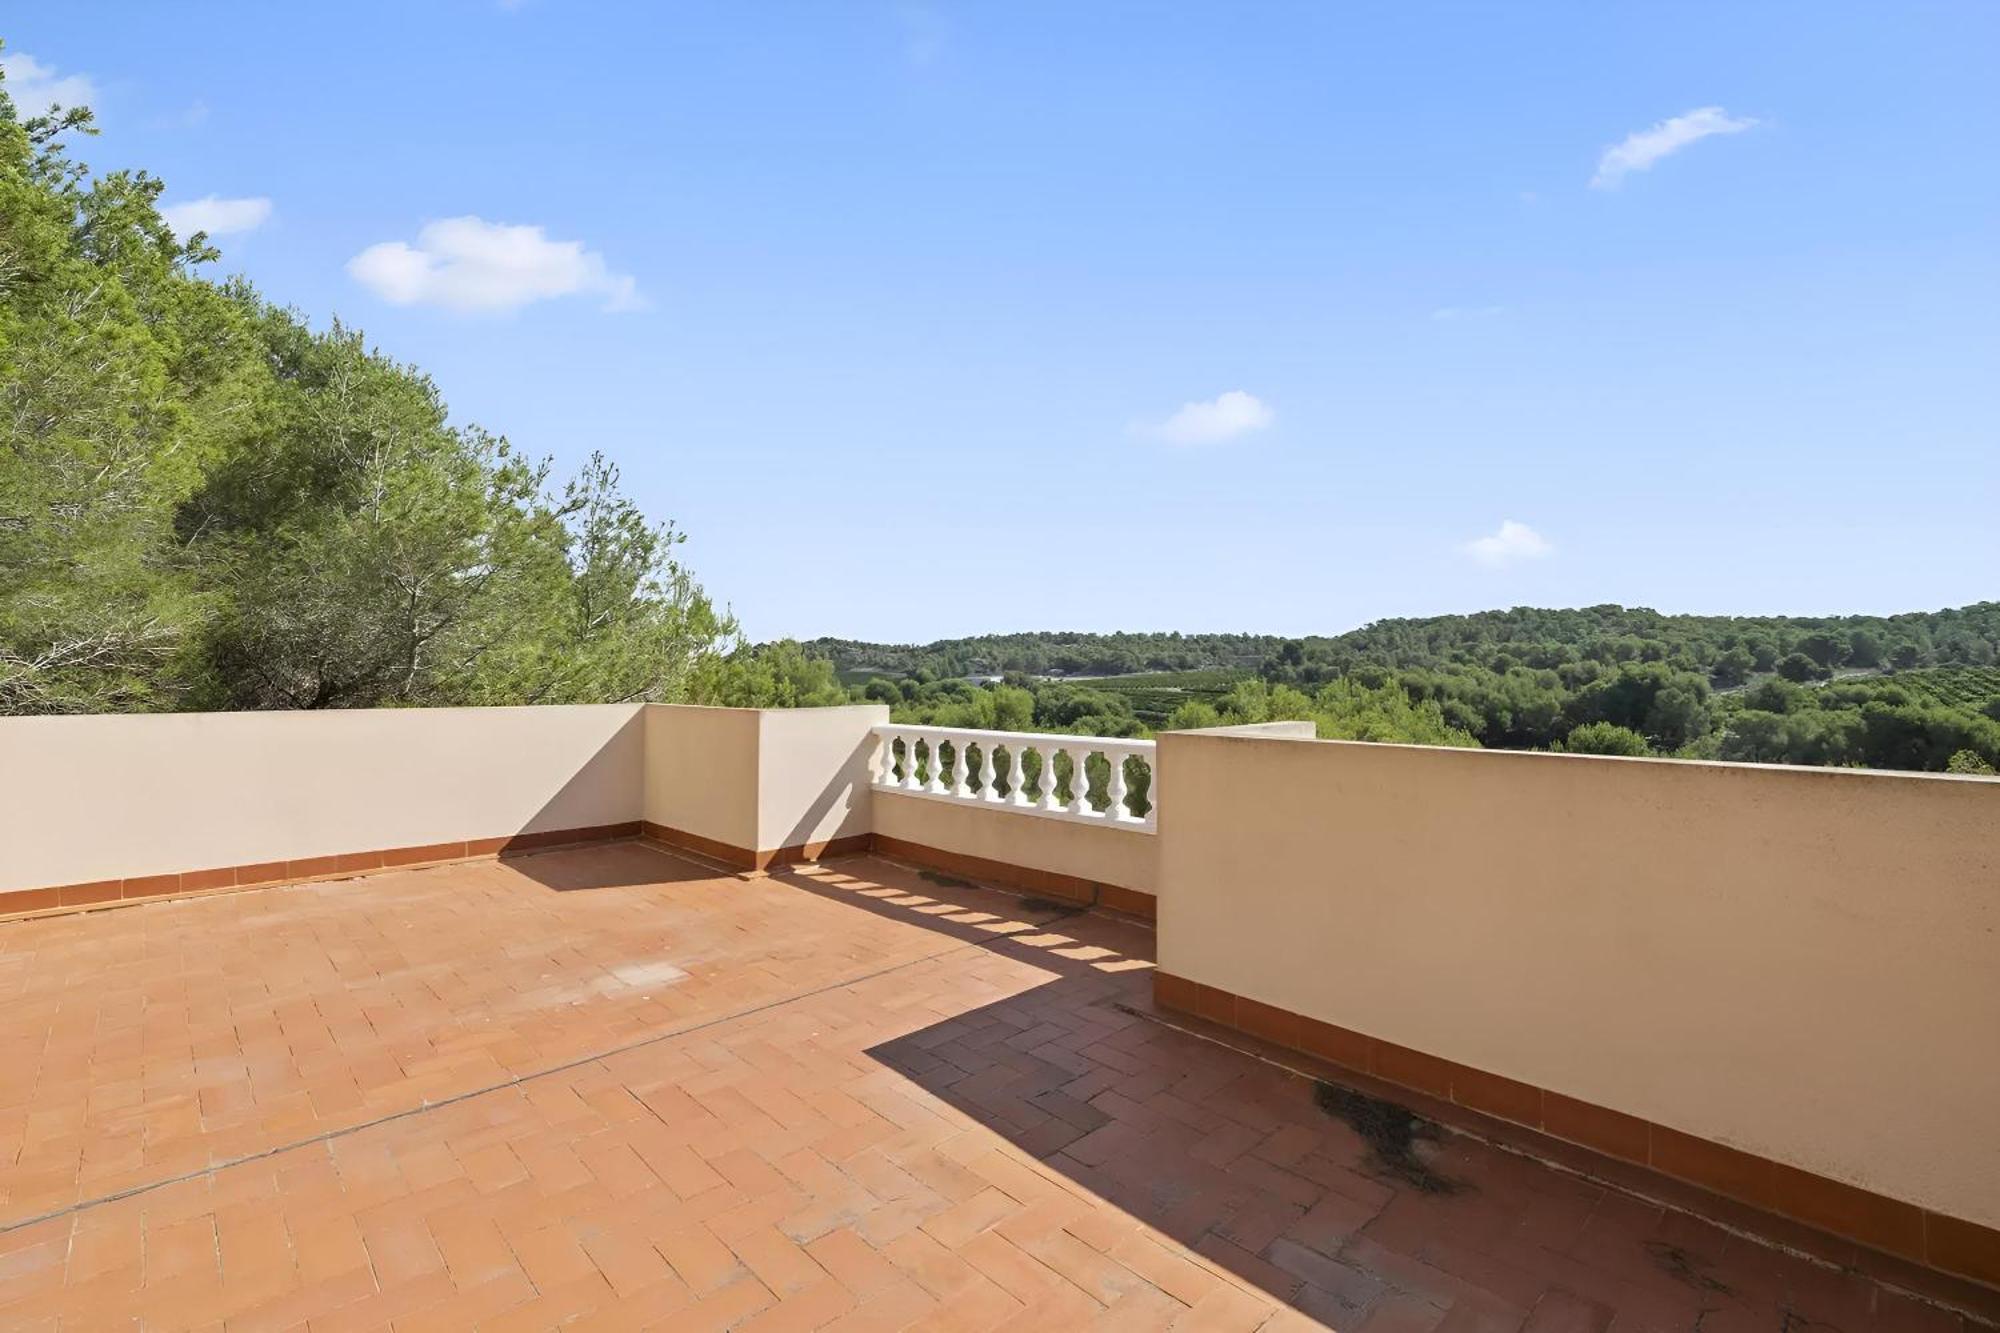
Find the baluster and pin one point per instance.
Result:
(1017, 776)
(885, 769)
(1153, 787)
(988, 777)
(1049, 800)
(933, 765)
(1079, 783)
(1114, 787)
(958, 768)
(910, 779)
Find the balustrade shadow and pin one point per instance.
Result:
(1221, 1152)
(1234, 1157)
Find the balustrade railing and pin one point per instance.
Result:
(1094, 778)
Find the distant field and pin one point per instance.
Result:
(1957, 687)
(1155, 694)
(1152, 694)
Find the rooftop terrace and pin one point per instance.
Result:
(682, 1074)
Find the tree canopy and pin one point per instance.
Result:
(1907, 691)
(206, 502)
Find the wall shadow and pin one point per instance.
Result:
(610, 865)
(805, 831)
(1341, 1217)
(1225, 1154)
(576, 806)
(607, 788)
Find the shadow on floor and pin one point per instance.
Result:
(1233, 1158)
(610, 865)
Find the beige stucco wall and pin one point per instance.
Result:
(1102, 853)
(813, 773)
(1803, 963)
(760, 779)
(701, 771)
(107, 797)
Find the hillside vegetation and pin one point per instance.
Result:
(1915, 691)
(205, 502)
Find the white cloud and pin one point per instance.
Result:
(1642, 148)
(1224, 418)
(469, 264)
(36, 87)
(216, 216)
(1509, 544)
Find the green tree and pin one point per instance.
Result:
(112, 362)
(771, 675)
(1798, 668)
(1605, 738)
(1824, 649)
(1348, 710)
(204, 502)
(1013, 708)
(1194, 715)
(1733, 668)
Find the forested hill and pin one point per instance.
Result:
(1731, 648)
(1917, 691)
(1048, 652)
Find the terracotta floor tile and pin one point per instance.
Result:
(609, 1087)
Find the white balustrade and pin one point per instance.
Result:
(1050, 802)
(1003, 761)
(988, 788)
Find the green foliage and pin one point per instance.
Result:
(771, 675)
(1018, 704)
(1976, 688)
(1193, 716)
(1605, 738)
(1685, 686)
(1800, 667)
(206, 503)
(1733, 667)
(1528, 637)
(1340, 710)
(111, 364)
(1966, 762)
(1873, 724)
(1047, 654)
(1155, 695)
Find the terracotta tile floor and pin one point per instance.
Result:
(615, 1088)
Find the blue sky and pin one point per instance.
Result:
(926, 320)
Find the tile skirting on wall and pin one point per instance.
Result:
(266, 874)
(58, 899)
(1047, 883)
(1956, 1260)
(744, 857)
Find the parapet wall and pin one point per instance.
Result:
(102, 807)
(1781, 984)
